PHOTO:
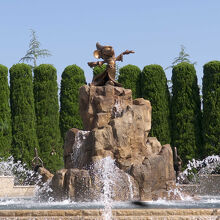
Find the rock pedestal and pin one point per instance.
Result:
(116, 126)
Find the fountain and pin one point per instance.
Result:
(117, 127)
(113, 162)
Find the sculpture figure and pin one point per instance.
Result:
(37, 162)
(177, 164)
(108, 55)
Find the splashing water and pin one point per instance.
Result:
(79, 140)
(106, 170)
(22, 175)
(130, 187)
(117, 110)
(195, 168)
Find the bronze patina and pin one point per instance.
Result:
(108, 55)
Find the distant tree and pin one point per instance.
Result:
(155, 89)
(34, 51)
(5, 114)
(24, 138)
(183, 57)
(99, 69)
(211, 107)
(186, 112)
(47, 116)
(72, 79)
(129, 77)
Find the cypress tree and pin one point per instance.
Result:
(72, 79)
(129, 77)
(5, 114)
(155, 89)
(24, 138)
(186, 112)
(99, 69)
(211, 107)
(47, 116)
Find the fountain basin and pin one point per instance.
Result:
(117, 214)
(201, 202)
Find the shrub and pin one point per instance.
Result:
(186, 112)
(47, 115)
(99, 69)
(72, 79)
(211, 107)
(155, 89)
(129, 77)
(24, 138)
(5, 114)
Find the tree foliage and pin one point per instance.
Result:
(22, 112)
(129, 77)
(72, 79)
(5, 114)
(99, 69)
(183, 57)
(34, 51)
(47, 116)
(155, 89)
(186, 112)
(211, 107)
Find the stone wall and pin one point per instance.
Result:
(116, 126)
(7, 188)
(206, 185)
(118, 214)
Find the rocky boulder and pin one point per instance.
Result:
(116, 126)
(87, 185)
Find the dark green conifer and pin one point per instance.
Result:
(155, 89)
(24, 138)
(47, 115)
(186, 112)
(5, 114)
(99, 69)
(72, 79)
(211, 108)
(129, 77)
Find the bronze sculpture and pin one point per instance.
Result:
(108, 55)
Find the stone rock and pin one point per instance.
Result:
(77, 184)
(125, 188)
(98, 103)
(57, 184)
(85, 185)
(77, 150)
(116, 126)
(46, 175)
(155, 175)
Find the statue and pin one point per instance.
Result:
(177, 164)
(108, 55)
(36, 162)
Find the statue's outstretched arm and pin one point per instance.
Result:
(120, 57)
(98, 63)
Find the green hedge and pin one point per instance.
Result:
(186, 112)
(211, 107)
(47, 115)
(99, 69)
(154, 88)
(5, 114)
(72, 79)
(129, 77)
(22, 112)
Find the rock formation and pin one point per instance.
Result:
(114, 126)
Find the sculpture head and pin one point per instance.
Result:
(103, 52)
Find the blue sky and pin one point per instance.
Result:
(70, 30)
